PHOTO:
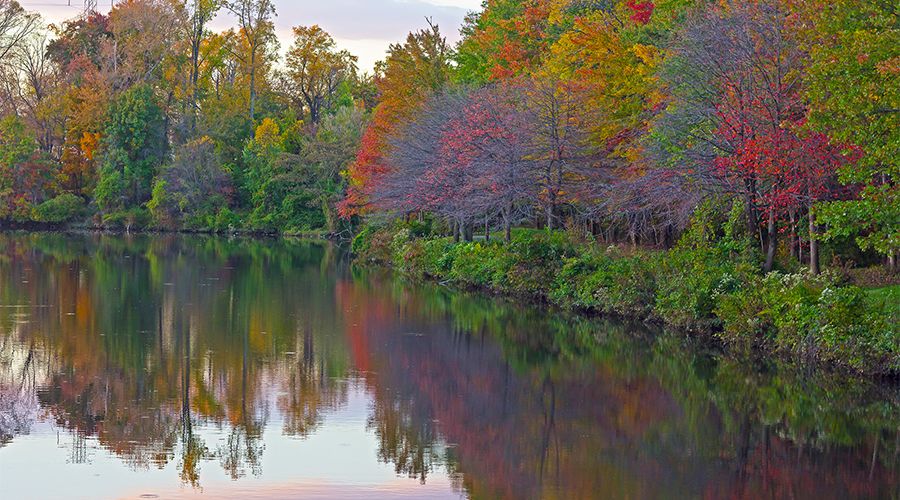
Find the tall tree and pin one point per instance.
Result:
(143, 34)
(316, 70)
(853, 85)
(199, 13)
(15, 26)
(506, 38)
(133, 148)
(735, 78)
(257, 31)
(412, 72)
(192, 186)
(30, 89)
(26, 175)
(79, 50)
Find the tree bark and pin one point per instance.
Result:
(794, 243)
(772, 242)
(507, 224)
(252, 84)
(814, 267)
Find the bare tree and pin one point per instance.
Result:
(494, 154)
(567, 163)
(30, 80)
(15, 26)
(143, 33)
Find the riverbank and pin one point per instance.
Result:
(91, 228)
(704, 286)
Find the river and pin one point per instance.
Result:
(202, 367)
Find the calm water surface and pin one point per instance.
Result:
(194, 367)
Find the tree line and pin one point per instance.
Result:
(620, 118)
(615, 117)
(147, 117)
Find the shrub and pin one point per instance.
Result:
(373, 244)
(809, 317)
(534, 259)
(362, 241)
(702, 284)
(420, 229)
(610, 284)
(691, 282)
(63, 208)
(481, 264)
(224, 220)
(426, 258)
(575, 283)
(133, 218)
(631, 286)
(399, 241)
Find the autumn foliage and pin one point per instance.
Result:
(623, 115)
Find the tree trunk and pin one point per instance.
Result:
(487, 230)
(793, 242)
(772, 242)
(892, 262)
(813, 246)
(252, 84)
(506, 213)
(753, 218)
(456, 230)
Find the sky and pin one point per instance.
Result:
(364, 27)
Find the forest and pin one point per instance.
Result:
(701, 162)
(145, 118)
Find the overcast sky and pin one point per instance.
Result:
(364, 27)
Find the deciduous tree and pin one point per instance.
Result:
(316, 70)
(257, 34)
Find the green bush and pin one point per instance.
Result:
(692, 280)
(607, 283)
(426, 258)
(807, 317)
(420, 229)
(533, 260)
(63, 208)
(374, 244)
(481, 264)
(631, 287)
(133, 218)
(577, 281)
(703, 284)
(224, 220)
(362, 241)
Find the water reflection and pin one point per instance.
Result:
(195, 354)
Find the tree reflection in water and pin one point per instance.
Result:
(145, 344)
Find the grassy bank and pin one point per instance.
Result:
(708, 284)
